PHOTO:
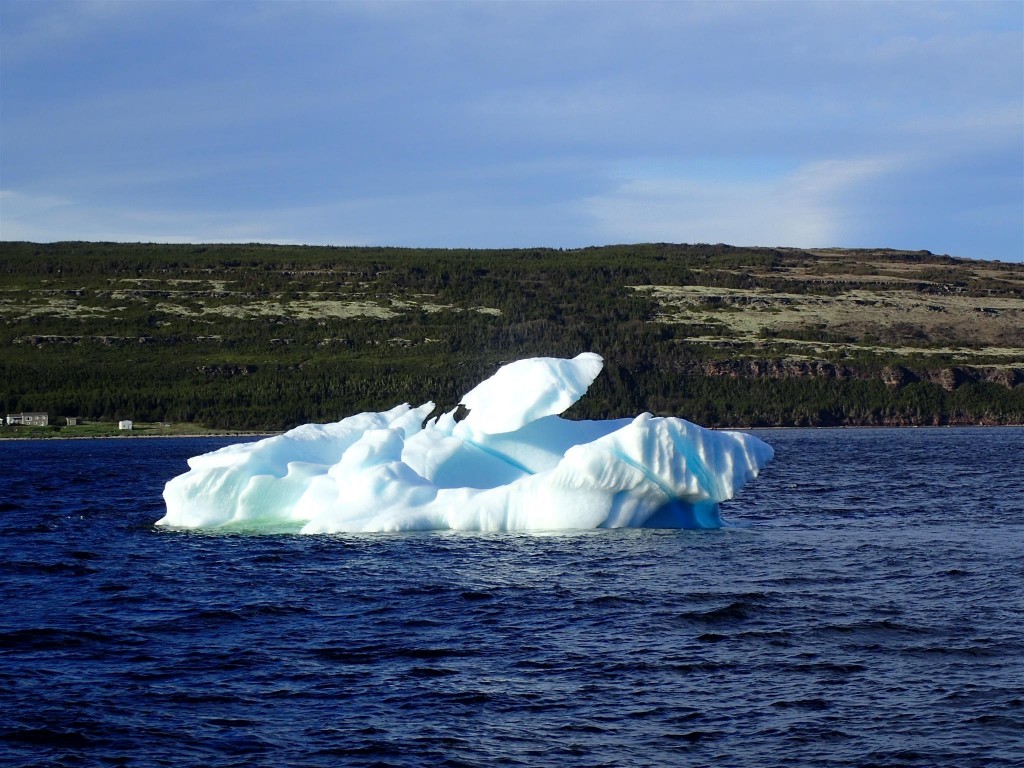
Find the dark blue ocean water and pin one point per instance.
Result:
(871, 614)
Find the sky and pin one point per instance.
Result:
(515, 124)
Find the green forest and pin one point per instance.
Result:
(265, 337)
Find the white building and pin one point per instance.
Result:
(125, 424)
(29, 419)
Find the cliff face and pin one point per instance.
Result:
(748, 392)
(895, 376)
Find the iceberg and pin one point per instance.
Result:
(512, 464)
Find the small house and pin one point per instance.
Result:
(29, 419)
(125, 424)
(72, 421)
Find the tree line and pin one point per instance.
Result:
(108, 331)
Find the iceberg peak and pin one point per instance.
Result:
(527, 390)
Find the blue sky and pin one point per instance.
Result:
(494, 124)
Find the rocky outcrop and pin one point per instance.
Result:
(897, 377)
(40, 340)
(894, 376)
(1008, 377)
(779, 369)
(949, 378)
(226, 370)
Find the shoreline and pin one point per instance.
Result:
(202, 436)
(211, 435)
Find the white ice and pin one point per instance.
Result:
(512, 464)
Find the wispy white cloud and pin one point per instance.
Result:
(33, 29)
(46, 218)
(987, 126)
(813, 205)
(430, 219)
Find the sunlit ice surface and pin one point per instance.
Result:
(512, 464)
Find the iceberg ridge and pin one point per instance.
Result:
(512, 464)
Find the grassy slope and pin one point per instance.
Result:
(265, 337)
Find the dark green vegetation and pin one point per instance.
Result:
(266, 337)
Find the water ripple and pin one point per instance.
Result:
(868, 615)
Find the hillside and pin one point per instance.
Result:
(266, 337)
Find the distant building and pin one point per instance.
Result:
(72, 421)
(125, 424)
(29, 419)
